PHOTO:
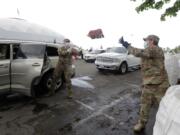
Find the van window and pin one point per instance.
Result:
(17, 52)
(4, 51)
(29, 51)
(52, 51)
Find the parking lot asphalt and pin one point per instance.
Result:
(104, 103)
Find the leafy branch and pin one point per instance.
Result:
(152, 4)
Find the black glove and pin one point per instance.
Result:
(124, 43)
(121, 40)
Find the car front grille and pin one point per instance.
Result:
(105, 59)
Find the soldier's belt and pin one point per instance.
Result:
(64, 56)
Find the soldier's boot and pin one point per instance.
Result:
(70, 94)
(51, 91)
(139, 126)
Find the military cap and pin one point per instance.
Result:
(152, 37)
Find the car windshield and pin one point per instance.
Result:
(117, 50)
(96, 51)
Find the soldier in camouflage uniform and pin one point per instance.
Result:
(154, 75)
(64, 66)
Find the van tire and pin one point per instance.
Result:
(47, 81)
(36, 89)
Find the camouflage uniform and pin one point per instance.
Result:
(154, 75)
(64, 66)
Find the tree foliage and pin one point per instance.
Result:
(153, 4)
(175, 50)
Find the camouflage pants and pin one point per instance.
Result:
(62, 69)
(151, 94)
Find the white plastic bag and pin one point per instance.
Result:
(178, 58)
(168, 115)
(172, 67)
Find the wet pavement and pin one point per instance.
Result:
(104, 103)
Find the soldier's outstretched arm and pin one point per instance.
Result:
(148, 53)
(135, 51)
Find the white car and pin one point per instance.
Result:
(116, 58)
(91, 56)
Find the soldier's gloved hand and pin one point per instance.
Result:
(121, 40)
(124, 43)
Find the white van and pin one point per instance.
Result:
(28, 55)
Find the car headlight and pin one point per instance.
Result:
(97, 58)
(116, 60)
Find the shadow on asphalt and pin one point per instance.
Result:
(8, 102)
(18, 101)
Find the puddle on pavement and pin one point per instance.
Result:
(82, 82)
(86, 78)
(39, 107)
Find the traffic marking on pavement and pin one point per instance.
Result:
(103, 108)
(85, 105)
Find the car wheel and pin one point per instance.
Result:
(47, 82)
(73, 75)
(100, 70)
(123, 68)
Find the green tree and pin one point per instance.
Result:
(154, 4)
(166, 50)
(177, 49)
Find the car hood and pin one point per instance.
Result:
(90, 54)
(111, 55)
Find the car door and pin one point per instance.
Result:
(52, 53)
(131, 60)
(137, 61)
(26, 65)
(4, 68)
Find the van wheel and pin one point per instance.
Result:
(123, 68)
(47, 82)
(100, 70)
